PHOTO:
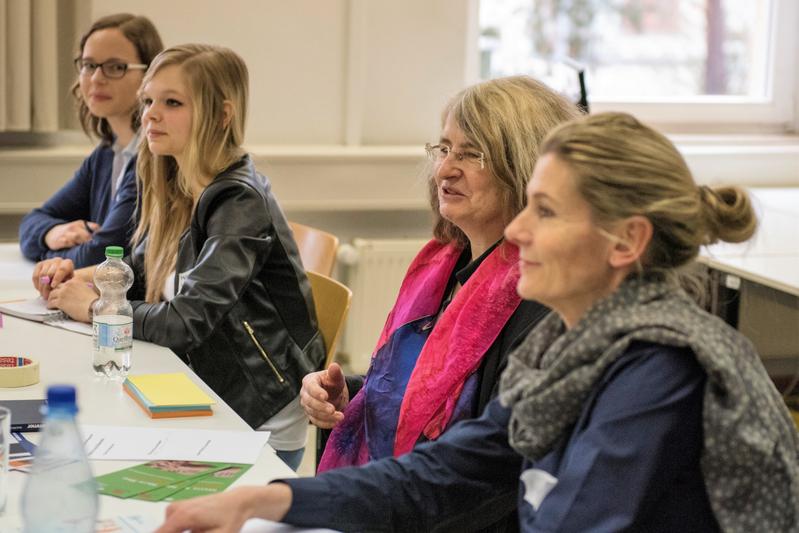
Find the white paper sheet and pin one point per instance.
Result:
(32, 309)
(119, 443)
(36, 309)
(71, 325)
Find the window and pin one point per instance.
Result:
(683, 61)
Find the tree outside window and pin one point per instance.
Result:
(632, 50)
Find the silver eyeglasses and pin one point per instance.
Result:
(111, 69)
(439, 152)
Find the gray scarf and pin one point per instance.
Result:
(750, 459)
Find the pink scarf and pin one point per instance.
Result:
(464, 332)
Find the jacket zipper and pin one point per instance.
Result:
(263, 352)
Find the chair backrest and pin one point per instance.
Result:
(317, 248)
(332, 301)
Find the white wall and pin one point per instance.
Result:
(320, 68)
(294, 51)
(344, 93)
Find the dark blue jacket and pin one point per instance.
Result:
(86, 196)
(630, 464)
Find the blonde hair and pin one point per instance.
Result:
(625, 168)
(214, 76)
(145, 39)
(506, 118)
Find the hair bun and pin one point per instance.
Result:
(728, 213)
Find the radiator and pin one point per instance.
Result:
(373, 270)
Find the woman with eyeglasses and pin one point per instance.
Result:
(96, 207)
(628, 408)
(457, 315)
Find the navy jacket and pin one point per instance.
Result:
(86, 196)
(630, 464)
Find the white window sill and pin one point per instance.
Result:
(359, 178)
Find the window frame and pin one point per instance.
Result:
(774, 113)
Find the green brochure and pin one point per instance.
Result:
(156, 495)
(211, 483)
(208, 484)
(153, 475)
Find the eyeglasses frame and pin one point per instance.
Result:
(459, 156)
(128, 66)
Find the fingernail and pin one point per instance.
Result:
(44, 280)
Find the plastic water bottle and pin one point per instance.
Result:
(113, 316)
(60, 494)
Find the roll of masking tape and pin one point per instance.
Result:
(18, 371)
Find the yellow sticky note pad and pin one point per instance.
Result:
(170, 389)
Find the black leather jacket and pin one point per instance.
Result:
(243, 315)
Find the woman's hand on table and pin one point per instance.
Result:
(227, 511)
(324, 396)
(50, 273)
(74, 297)
(70, 234)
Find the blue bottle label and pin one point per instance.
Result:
(117, 336)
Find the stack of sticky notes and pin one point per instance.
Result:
(168, 395)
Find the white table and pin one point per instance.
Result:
(757, 287)
(65, 357)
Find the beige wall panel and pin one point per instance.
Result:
(294, 51)
(44, 68)
(313, 179)
(415, 60)
(18, 65)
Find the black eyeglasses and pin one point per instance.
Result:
(111, 69)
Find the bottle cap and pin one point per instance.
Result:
(114, 251)
(61, 397)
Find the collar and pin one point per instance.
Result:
(463, 273)
(131, 148)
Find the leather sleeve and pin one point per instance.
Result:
(135, 261)
(236, 225)
(354, 383)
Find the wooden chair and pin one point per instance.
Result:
(332, 301)
(317, 248)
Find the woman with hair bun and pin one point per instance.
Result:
(627, 409)
(665, 419)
